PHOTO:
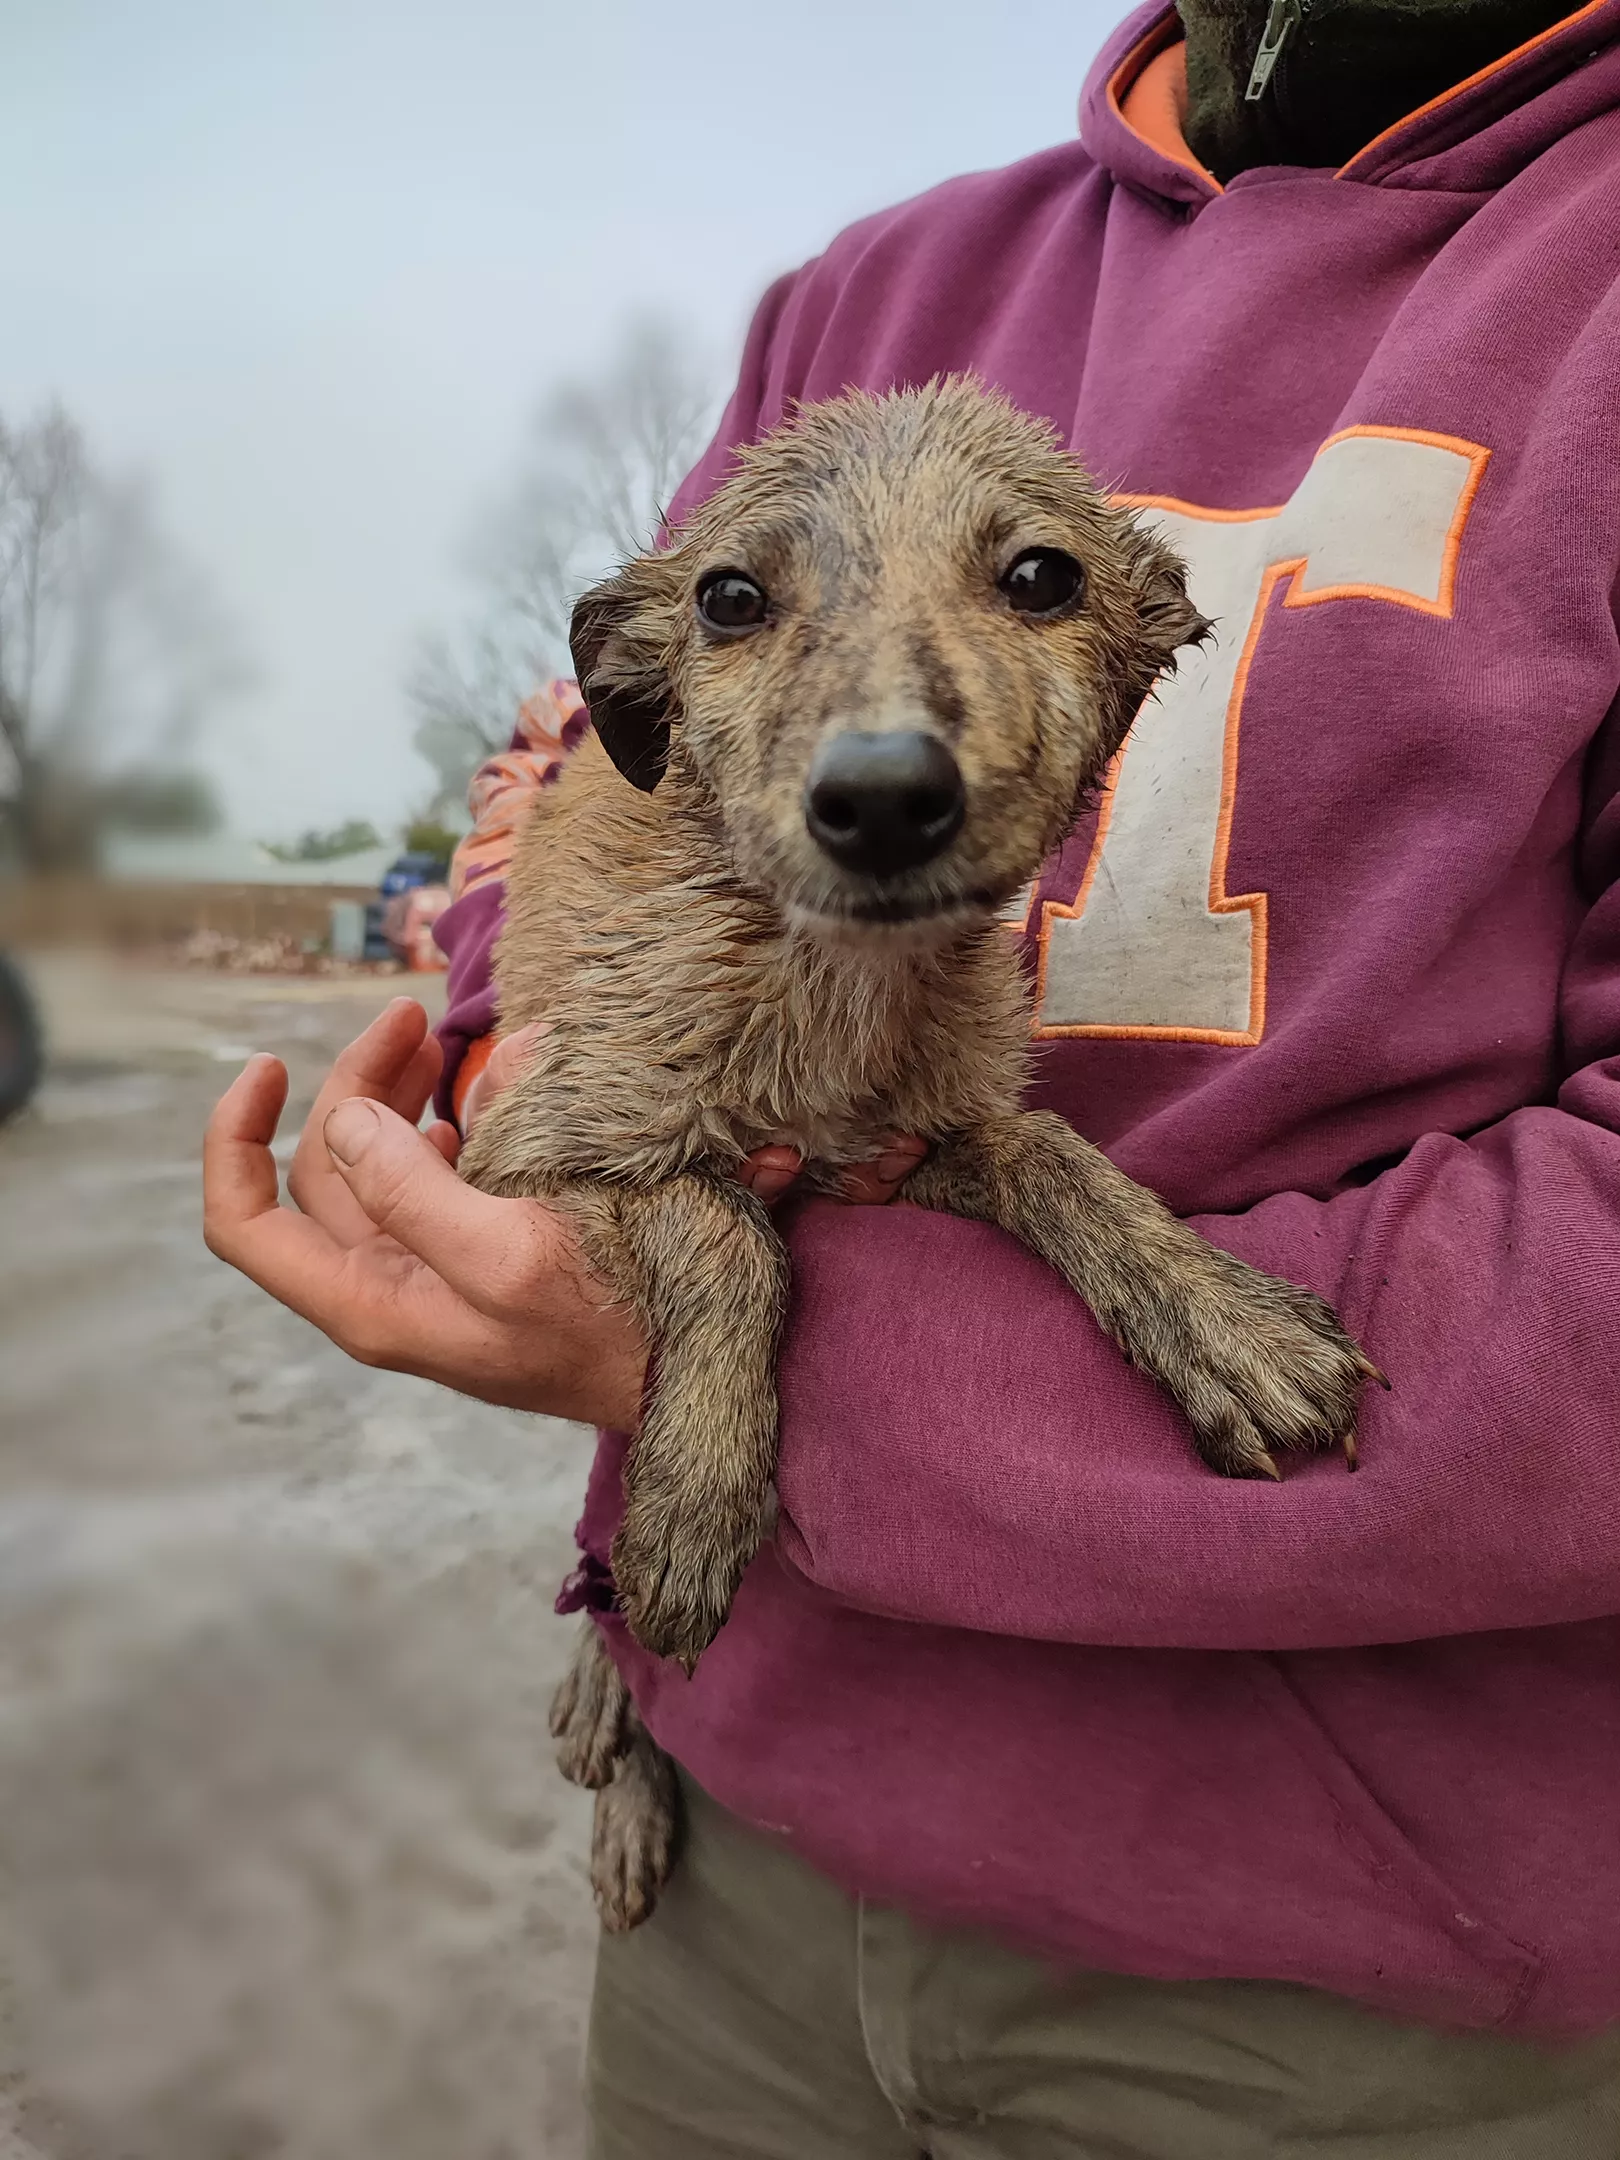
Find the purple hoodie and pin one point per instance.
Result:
(1337, 970)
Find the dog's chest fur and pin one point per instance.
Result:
(688, 1026)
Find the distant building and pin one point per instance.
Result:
(228, 859)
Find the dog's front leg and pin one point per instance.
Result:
(707, 1274)
(1255, 1363)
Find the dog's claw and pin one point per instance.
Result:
(1352, 1454)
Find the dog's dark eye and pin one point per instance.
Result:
(1044, 581)
(731, 603)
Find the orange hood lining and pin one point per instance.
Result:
(1148, 90)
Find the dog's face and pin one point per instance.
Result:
(892, 653)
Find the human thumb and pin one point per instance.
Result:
(407, 1188)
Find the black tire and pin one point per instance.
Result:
(20, 1050)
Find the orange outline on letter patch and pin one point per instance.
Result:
(1221, 902)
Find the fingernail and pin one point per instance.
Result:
(350, 1130)
(893, 1167)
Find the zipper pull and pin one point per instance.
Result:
(1281, 24)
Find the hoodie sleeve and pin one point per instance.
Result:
(503, 789)
(962, 1445)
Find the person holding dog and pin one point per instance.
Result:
(1044, 1793)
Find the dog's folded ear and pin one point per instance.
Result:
(1169, 619)
(619, 665)
(1164, 622)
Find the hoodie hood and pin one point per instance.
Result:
(1472, 139)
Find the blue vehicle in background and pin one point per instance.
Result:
(410, 872)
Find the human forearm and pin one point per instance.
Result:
(962, 1445)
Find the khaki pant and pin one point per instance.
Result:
(763, 2015)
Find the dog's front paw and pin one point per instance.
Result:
(677, 1568)
(1262, 1365)
(633, 1836)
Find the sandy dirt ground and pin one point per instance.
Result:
(285, 1868)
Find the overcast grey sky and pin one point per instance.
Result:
(309, 264)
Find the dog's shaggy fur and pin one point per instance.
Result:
(715, 981)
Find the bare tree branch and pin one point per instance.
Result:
(606, 456)
(111, 649)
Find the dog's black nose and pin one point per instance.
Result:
(880, 804)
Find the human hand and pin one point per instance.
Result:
(407, 1268)
(403, 1265)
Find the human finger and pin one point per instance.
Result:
(390, 1059)
(504, 1064)
(240, 1178)
(413, 1091)
(770, 1173)
(875, 1183)
(495, 1253)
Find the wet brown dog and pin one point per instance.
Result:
(860, 699)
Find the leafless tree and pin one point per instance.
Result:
(607, 454)
(111, 649)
